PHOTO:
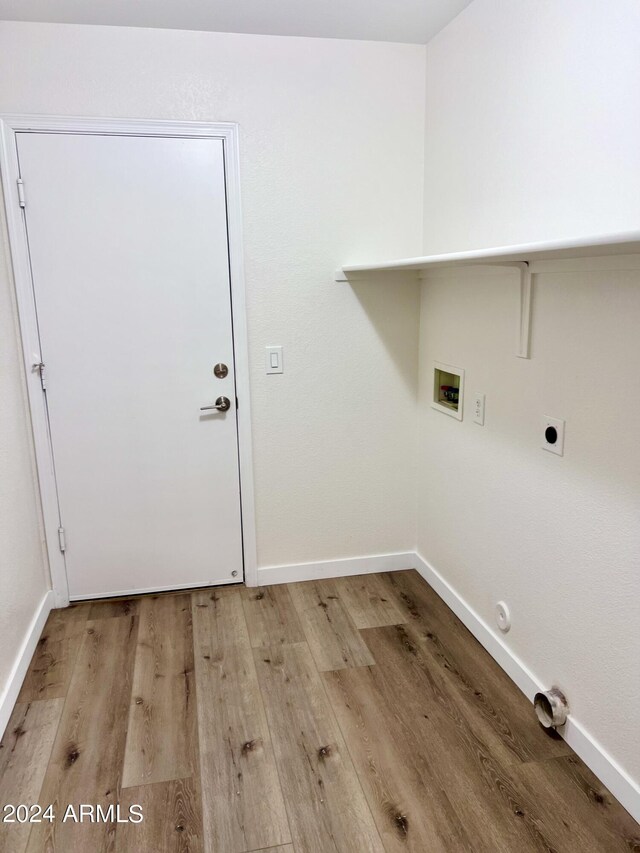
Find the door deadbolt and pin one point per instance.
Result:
(220, 370)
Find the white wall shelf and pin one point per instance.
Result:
(520, 257)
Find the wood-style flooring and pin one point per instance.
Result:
(347, 715)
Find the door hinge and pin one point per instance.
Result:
(237, 403)
(39, 366)
(21, 200)
(62, 539)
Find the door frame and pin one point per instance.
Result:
(227, 132)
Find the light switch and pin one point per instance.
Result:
(478, 409)
(274, 360)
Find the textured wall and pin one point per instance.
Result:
(23, 576)
(556, 537)
(533, 131)
(533, 125)
(331, 158)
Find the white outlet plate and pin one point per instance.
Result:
(503, 616)
(548, 427)
(478, 409)
(273, 360)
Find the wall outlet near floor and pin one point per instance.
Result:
(553, 435)
(503, 616)
(478, 409)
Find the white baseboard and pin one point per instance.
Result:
(336, 568)
(11, 689)
(621, 785)
(513, 666)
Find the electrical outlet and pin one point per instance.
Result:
(478, 409)
(553, 435)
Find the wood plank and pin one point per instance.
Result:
(87, 757)
(308, 594)
(111, 608)
(225, 618)
(325, 802)
(493, 806)
(332, 637)
(24, 755)
(368, 602)
(271, 616)
(411, 810)
(242, 802)
(485, 690)
(52, 663)
(172, 819)
(285, 848)
(578, 810)
(162, 735)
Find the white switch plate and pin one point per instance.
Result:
(551, 424)
(478, 409)
(274, 360)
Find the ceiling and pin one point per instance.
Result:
(377, 20)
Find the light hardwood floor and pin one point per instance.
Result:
(346, 715)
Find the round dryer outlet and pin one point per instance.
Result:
(503, 616)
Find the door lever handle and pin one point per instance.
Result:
(222, 404)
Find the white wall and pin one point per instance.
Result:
(331, 156)
(533, 125)
(533, 132)
(24, 578)
(331, 159)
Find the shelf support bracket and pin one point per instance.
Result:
(526, 275)
(524, 325)
(524, 338)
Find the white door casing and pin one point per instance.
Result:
(137, 322)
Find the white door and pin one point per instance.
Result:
(128, 247)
